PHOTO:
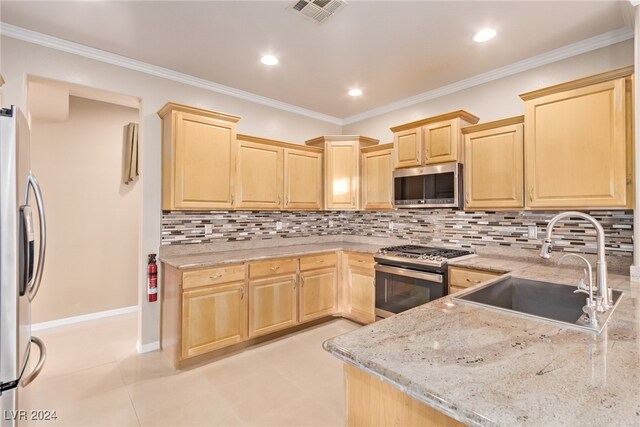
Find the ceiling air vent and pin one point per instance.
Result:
(317, 10)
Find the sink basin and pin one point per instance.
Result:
(549, 301)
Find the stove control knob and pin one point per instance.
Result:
(424, 256)
(432, 257)
(439, 258)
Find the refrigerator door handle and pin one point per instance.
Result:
(36, 371)
(34, 285)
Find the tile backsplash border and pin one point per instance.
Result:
(439, 227)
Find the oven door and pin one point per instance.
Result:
(399, 289)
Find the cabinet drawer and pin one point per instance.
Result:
(465, 277)
(212, 276)
(361, 260)
(317, 261)
(273, 267)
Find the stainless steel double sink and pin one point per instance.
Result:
(547, 301)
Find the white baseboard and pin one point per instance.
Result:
(146, 348)
(83, 318)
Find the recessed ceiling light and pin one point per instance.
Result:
(484, 35)
(355, 92)
(269, 60)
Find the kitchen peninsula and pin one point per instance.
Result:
(484, 367)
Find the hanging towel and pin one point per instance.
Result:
(131, 153)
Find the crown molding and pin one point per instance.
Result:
(19, 33)
(587, 45)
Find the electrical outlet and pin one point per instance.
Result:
(533, 232)
(208, 229)
(331, 223)
(390, 225)
(278, 225)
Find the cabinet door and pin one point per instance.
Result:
(361, 295)
(407, 146)
(493, 169)
(259, 176)
(441, 142)
(302, 180)
(213, 317)
(318, 297)
(575, 148)
(342, 175)
(205, 154)
(377, 179)
(272, 305)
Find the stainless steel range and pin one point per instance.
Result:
(411, 275)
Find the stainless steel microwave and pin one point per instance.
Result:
(438, 186)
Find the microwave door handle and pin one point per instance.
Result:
(34, 284)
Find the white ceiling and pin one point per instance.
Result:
(390, 49)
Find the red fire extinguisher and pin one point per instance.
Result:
(152, 279)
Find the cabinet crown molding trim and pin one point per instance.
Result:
(19, 33)
(439, 118)
(494, 124)
(172, 106)
(374, 148)
(319, 141)
(578, 83)
(276, 143)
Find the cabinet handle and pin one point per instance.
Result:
(232, 198)
(531, 194)
(353, 200)
(241, 293)
(275, 268)
(473, 281)
(302, 282)
(286, 201)
(278, 200)
(320, 261)
(466, 198)
(215, 276)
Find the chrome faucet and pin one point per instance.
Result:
(593, 304)
(604, 298)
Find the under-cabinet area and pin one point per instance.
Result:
(212, 310)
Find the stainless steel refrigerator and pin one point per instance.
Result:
(21, 264)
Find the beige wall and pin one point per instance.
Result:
(20, 59)
(499, 99)
(92, 217)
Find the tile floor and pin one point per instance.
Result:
(95, 377)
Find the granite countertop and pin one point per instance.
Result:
(485, 367)
(236, 256)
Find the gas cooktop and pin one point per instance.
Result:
(420, 255)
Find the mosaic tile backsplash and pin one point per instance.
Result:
(441, 227)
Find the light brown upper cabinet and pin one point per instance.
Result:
(377, 177)
(342, 169)
(302, 179)
(493, 169)
(198, 156)
(430, 141)
(577, 142)
(275, 175)
(259, 175)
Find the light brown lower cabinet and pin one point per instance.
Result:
(213, 317)
(372, 402)
(360, 288)
(272, 304)
(462, 278)
(214, 310)
(318, 296)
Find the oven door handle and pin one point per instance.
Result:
(409, 273)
